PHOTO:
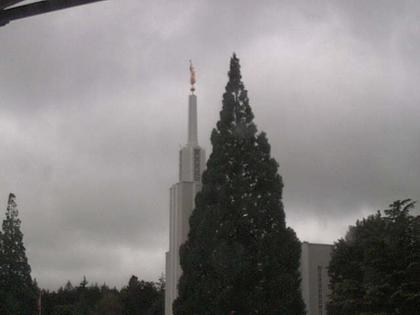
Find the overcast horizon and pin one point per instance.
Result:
(93, 111)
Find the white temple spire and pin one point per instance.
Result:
(182, 198)
(192, 110)
(192, 120)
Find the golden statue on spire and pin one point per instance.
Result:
(192, 77)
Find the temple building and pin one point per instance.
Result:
(192, 159)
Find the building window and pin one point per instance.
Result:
(320, 299)
(180, 164)
(197, 163)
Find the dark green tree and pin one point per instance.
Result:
(109, 304)
(240, 255)
(139, 296)
(375, 269)
(18, 293)
(88, 297)
(157, 308)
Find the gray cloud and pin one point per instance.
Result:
(93, 111)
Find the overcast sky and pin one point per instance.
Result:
(93, 111)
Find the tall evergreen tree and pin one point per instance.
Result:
(240, 255)
(17, 291)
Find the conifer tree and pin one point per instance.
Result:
(17, 291)
(240, 255)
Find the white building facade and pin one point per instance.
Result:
(314, 262)
(182, 201)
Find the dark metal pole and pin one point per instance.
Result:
(40, 7)
(8, 3)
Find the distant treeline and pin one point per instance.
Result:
(137, 298)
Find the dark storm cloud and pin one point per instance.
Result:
(93, 111)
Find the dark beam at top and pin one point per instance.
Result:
(8, 3)
(36, 8)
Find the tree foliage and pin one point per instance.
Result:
(137, 298)
(239, 254)
(375, 269)
(18, 293)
